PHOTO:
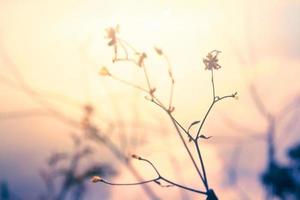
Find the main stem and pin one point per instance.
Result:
(187, 149)
(202, 164)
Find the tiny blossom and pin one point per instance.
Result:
(211, 60)
(104, 72)
(112, 35)
(158, 51)
(96, 179)
(141, 59)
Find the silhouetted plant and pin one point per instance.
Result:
(125, 52)
(279, 180)
(65, 177)
(91, 130)
(6, 193)
(283, 180)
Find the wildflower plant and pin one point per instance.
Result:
(122, 52)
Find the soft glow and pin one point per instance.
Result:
(58, 47)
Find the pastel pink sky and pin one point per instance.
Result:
(59, 47)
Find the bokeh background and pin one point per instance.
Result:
(50, 55)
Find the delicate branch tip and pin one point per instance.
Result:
(205, 137)
(96, 179)
(235, 95)
(136, 157)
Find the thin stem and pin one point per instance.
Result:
(170, 72)
(175, 123)
(226, 96)
(168, 181)
(188, 134)
(153, 100)
(198, 133)
(128, 44)
(155, 181)
(156, 101)
(130, 84)
(127, 184)
(217, 99)
(120, 155)
(202, 164)
(159, 102)
(123, 47)
(183, 187)
(147, 78)
(210, 107)
(188, 150)
(152, 165)
(125, 60)
(202, 122)
(171, 94)
(148, 190)
(213, 84)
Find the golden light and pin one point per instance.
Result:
(59, 48)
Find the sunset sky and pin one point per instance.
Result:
(57, 48)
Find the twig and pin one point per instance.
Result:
(156, 180)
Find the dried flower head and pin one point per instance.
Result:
(104, 72)
(141, 59)
(135, 156)
(96, 179)
(211, 60)
(112, 35)
(158, 51)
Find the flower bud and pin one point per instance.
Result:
(96, 179)
(104, 72)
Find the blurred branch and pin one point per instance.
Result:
(23, 86)
(70, 174)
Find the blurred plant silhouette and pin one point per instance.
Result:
(125, 52)
(6, 193)
(279, 180)
(65, 177)
(84, 124)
